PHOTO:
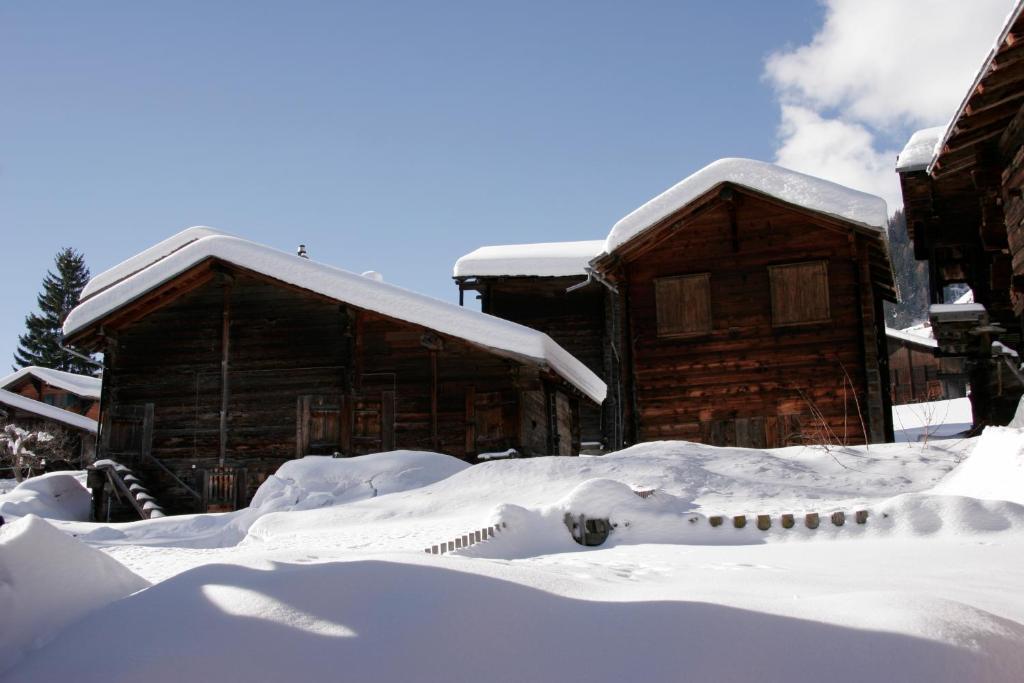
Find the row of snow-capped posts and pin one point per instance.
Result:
(812, 520)
(466, 540)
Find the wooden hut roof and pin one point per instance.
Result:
(167, 278)
(546, 259)
(79, 385)
(832, 205)
(146, 258)
(46, 411)
(815, 194)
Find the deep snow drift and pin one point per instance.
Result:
(48, 580)
(56, 495)
(927, 589)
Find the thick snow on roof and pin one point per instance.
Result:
(146, 258)
(387, 299)
(954, 312)
(920, 149)
(45, 410)
(546, 259)
(80, 385)
(1011, 19)
(789, 186)
(911, 338)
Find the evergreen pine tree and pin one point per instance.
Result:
(911, 278)
(40, 345)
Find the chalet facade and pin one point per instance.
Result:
(74, 436)
(66, 390)
(741, 307)
(536, 285)
(963, 192)
(224, 358)
(917, 374)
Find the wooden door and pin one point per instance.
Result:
(128, 433)
(223, 488)
(319, 425)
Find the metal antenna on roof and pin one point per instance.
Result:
(301, 251)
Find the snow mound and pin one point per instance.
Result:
(453, 619)
(789, 186)
(924, 514)
(995, 470)
(57, 495)
(47, 580)
(318, 481)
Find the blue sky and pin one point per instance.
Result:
(386, 136)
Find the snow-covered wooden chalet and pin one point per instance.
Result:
(743, 306)
(73, 442)
(75, 393)
(963, 194)
(223, 358)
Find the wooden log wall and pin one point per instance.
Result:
(576, 320)
(914, 373)
(307, 375)
(747, 382)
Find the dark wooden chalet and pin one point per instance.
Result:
(748, 311)
(75, 393)
(917, 374)
(224, 358)
(963, 192)
(74, 442)
(537, 285)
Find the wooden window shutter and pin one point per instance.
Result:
(799, 293)
(683, 305)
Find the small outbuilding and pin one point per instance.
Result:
(67, 390)
(73, 436)
(224, 358)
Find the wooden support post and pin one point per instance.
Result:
(764, 522)
(739, 521)
(715, 520)
(434, 441)
(861, 517)
(838, 518)
(788, 521)
(225, 390)
(811, 520)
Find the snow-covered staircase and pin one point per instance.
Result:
(127, 488)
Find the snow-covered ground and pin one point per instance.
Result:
(325, 577)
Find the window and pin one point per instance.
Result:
(799, 293)
(683, 305)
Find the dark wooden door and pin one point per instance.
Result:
(319, 425)
(128, 433)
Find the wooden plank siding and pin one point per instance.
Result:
(749, 381)
(306, 375)
(576, 320)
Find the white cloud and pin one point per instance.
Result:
(840, 151)
(877, 69)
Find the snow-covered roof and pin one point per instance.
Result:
(789, 186)
(911, 338)
(146, 258)
(79, 385)
(484, 330)
(920, 149)
(45, 410)
(947, 131)
(953, 312)
(546, 259)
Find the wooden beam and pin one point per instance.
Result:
(434, 441)
(225, 387)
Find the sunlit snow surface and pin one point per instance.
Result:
(328, 580)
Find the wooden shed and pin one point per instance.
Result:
(223, 358)
(749, 303)
(917, 374)
(67, 390)
(539, 285)
(963, 194)
(74, 444)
